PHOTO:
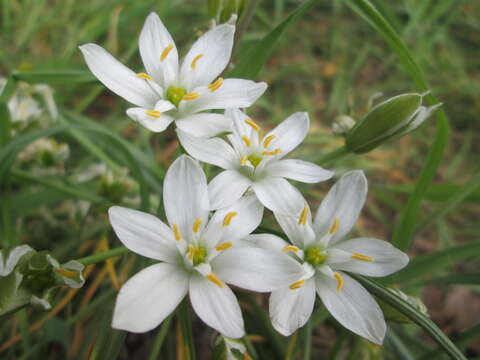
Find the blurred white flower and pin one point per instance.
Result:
(197, 256)
(45, 156)
(254, 162)
(318, 246)
(171, 92)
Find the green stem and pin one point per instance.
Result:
(96, 258)
(332, 155)
(186, 325)
(308, 341)
(159, 339)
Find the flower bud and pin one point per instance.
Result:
(222, 10)
(390, 119)
(342, 124)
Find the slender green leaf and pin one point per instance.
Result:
(56, 77)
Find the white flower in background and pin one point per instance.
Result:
(198, 256)
(319, 247)
(169, 91)
(255, 162)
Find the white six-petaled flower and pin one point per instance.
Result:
(324, 256)
(197, 255)
(168, 91)
(256, 163)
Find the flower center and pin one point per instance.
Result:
(197, 254)
(175, 94)
(315, 256)
(254, 159)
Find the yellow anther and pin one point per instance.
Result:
(191, 96)
(272, 153)
(335, 226)
(297, 285)
(216, 84)
(243, 160)
(291, 248)
(67, 273)
(302, 220)
(228, 218)
(214, 278)
(246, 141)
(253, 124)
(153, 113)
(358, 256)
(268, 140)
(194, 62)
(176, 232)
(196, 225)
(144, 76)
(339, 279)
(165, 52)
(224, 246)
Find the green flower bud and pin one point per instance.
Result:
(223, 10)
(390, 119)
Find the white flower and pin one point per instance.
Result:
(255, 162)
(319, 248)
(197, 256)
(168, 91)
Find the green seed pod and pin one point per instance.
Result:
(390, 119)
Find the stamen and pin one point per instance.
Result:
(224, 246)
(176, 232)
(216, 84)
(268, 140)
(246, 141)
(272, 153)
(228, 218)
(214, 278)
(339, 279)
(297, 285)
(335, 226)
(153, 113)
(191, 252)
(191, 96)
(165, 52)
(358, 256)
(253, 124)
(196, 225)
(194, 62)
(66, 273)
(144, 76)
(302, 220)
(291, 248)
(243, 161)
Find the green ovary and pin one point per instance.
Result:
(254, 160)
(175, 94)
(197, 254)
(315, 256)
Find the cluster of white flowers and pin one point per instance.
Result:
(200, 254)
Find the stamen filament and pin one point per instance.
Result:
(176, 232)
(214, 278)
(339, 279)
(194, 62)
(191, 96)
(291, 248)
(268, 140)
(153, 113)
(224, 246)
(253, 124)
(228, 218)
(144, 76)
(272, 153)
(335, 226)
(216, 84)
(243, 161)
(196, 225)
(297, 285)
(165, 52)
(358, 256)
(302, 220)
(66, 273)
(247, 141)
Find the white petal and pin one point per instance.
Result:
(299, 170)
(149, 297)
(226, 188)
(264, 241)
(234, 93)
(289, 133)
(277, 194)
(344, 201)
(387, 259)
(353, 307)
(156, 123)
(7, 265)
(143, 233)
(208, 57)
(290, 309)
(256, 269)
(185, 194)
(302, 235)
(249, 213)
(240, 130)
(154, 39)
(117, 77)
(216, 306)
(213, 151)
(205, 124)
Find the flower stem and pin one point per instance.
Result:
(308, 341)
(332, 155)
(93, 259)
